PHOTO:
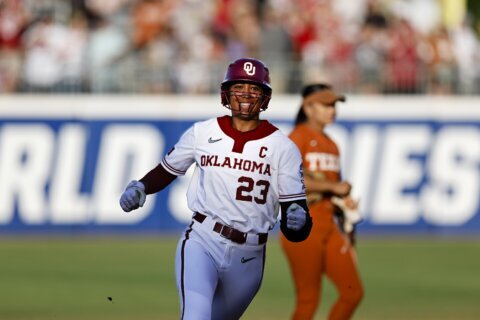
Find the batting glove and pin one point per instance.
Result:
(133, 197)
(296, 217)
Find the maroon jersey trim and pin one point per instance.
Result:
(291, 196)
(168, 166)
(263, 130)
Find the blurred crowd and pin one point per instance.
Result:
(183, 46)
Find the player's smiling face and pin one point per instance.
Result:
(245, 100)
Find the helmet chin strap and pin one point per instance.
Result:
(260, 100)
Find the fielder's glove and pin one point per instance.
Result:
(133, 197)
(347, 218)
(351, 217)
(296, 217)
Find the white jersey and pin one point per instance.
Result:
(240, 178)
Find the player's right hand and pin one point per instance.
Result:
(133, 197)
(342, 189)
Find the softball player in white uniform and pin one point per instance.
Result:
(246, 169)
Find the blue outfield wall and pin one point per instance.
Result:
(414, 162)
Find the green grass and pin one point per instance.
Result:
(70, 279)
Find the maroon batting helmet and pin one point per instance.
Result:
(251, 71)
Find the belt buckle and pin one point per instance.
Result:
(226, 231)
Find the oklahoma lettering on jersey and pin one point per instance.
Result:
(235, 163)
(254, 170)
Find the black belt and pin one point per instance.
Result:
(229, 232)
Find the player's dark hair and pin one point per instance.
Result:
(306, 91)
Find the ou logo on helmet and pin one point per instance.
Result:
(249, 68)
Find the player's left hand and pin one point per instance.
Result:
(296, 217)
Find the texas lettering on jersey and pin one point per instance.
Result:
(320, 161)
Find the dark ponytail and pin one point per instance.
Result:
(301, 116)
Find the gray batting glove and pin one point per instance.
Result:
(133, 197)
(296, 217)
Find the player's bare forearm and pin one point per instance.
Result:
(325, 186)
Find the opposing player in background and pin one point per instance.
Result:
(245, 170)
(329, 249)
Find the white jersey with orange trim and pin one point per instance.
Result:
(254, 171)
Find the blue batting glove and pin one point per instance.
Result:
(296, 217)
(133, 197)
